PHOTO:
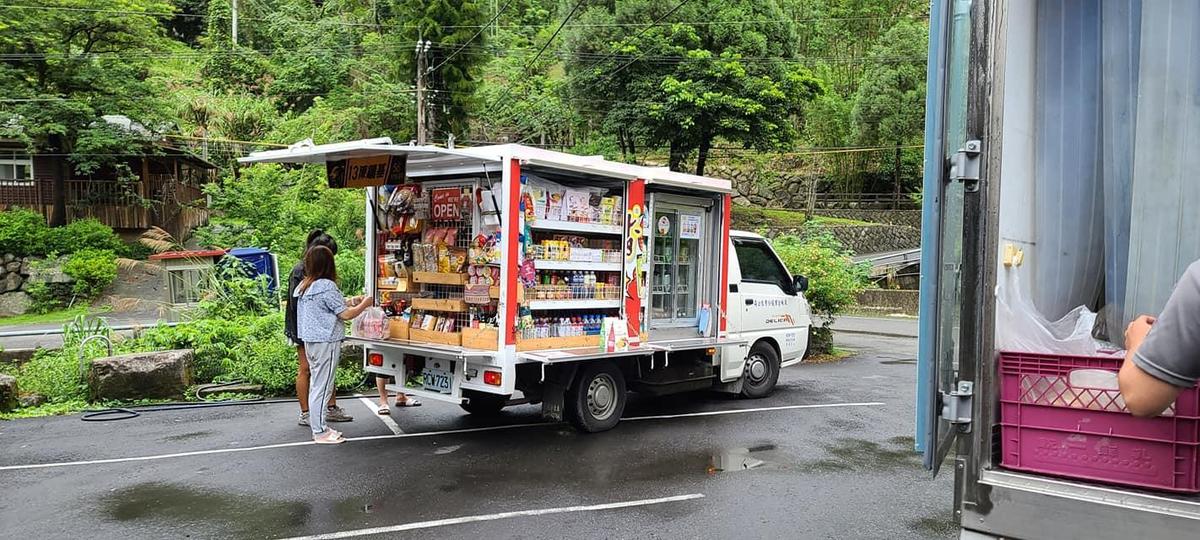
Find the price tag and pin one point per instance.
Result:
(446, 204)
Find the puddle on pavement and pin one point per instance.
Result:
(240, 516)
(737, 459)
(935, 527)
(864, 455)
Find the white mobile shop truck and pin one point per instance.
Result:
(1060, 202)
(569, 279)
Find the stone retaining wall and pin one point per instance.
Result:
(861, 239)
(906, 218)
(17, 274)
(889, 301)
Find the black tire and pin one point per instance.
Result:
(761, 372)
(483, 403)
(596, 401)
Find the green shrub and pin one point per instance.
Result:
(93, 271)
(834, 280)
(213, 341)
(228, 293)
(84, 234)
(22, 232)
(53, 374)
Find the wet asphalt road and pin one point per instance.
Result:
(824, 473)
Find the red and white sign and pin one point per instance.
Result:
(446, 204)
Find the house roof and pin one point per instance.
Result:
(193, 254)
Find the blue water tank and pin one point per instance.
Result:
(259, 262)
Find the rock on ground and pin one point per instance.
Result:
(14, 303)
(8, 393)
(163, 374)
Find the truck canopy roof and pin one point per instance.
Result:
(433, 160)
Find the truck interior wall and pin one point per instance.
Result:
(1101, 105)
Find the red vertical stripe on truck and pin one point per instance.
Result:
(635, 255)
(511, 236)
(725, 219)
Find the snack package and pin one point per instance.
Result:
(577, 206)
(554, 206)
(443, 259)
(457, 259)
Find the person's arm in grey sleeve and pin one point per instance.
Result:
(1163, 355)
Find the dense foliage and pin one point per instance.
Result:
(23, 232)
(834, 279)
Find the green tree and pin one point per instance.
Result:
(890, 105)
(66, 68)
(455, 60)
(686, 86)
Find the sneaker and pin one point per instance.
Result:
(336, 414)
(303, 419)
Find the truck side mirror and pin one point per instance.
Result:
(801, 283)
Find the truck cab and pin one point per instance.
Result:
(767, 305)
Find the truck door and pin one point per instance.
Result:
(950, 271)
(770, 305)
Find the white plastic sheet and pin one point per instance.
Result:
(1024, 329)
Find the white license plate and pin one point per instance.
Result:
(437, 380)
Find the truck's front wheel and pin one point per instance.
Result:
(762, 371)
(597, 399)
(483, 403)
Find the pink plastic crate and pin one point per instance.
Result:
(1050, 427)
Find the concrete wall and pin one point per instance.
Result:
(886, 301)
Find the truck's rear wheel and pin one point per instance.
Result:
(762, 371)
(597, 399)
(483, 403)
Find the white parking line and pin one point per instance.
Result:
(494, 517)
(421, 434)
(386, 419)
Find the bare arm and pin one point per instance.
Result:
(356, 310)
(1145, 395)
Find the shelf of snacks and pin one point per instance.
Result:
(484, 337)
(545, 264)
(440, 278)
(577, 227)
(582, 303)
(456, 305)
(431, 328)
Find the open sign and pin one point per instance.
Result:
(446, 204)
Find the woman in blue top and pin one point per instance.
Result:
(320, 311)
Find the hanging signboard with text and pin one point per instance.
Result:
(445, 204)
(366, 171)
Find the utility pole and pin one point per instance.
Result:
(233, 9)
(422, 48)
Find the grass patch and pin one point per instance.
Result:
(836, 355)
(47, 409)
(57, 316)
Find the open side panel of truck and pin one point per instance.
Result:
(964, 251)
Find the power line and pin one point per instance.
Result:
(464, 45)
(808, 20)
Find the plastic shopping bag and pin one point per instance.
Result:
(370, 324)
(1021, 327)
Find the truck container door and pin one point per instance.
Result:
(951, 188)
